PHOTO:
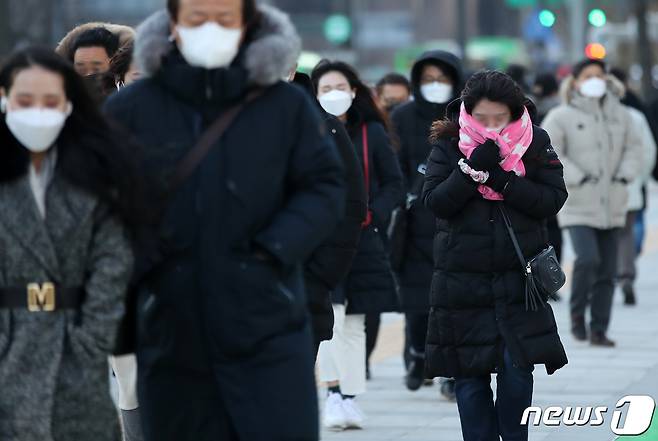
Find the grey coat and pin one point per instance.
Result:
(53, 365)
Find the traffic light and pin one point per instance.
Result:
(546, 18)
(595, 51)
(597, 17)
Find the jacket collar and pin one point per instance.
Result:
(67, 207)
(607, 105)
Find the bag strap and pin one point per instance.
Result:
(208, 139)
(366, 159)
(366, 173)
(512, 235)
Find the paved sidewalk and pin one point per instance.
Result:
(594, 376)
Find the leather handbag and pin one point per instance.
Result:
(543, 274)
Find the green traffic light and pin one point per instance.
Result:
(597, 17)
(546, 18)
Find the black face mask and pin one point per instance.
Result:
(391, 106)
(95, 86)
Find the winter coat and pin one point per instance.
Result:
(412, 122)
(647, 159)
(331, 262)
(478, 288)
(53, 365)
(126, 35)
(370, 286)
(222, 329)
(594, 138)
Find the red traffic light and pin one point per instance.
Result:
(595, 51)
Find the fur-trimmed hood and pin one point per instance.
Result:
(126, 34)
(567, 94)
(269, 57)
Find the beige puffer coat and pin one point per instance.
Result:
(595, 139)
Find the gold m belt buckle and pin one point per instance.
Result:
(41, 298)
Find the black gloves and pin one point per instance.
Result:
(485, 157)
(498, 179)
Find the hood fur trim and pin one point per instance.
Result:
(268, 58)
(125, 33)
(566, 88)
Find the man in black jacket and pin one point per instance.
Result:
(436, 79)
(223, 342)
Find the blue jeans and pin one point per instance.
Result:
(484, 420)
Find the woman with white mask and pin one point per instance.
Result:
(66, 190)
(369, 287)
(594, 137)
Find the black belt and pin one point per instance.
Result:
(46, 297)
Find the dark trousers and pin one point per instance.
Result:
(594, 272)
(627, 251)
(373, 321)
(482, 419)
(416, 332)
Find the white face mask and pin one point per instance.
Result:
(35, 128)
(336, 102)
(496, 129)
(210, 45)
(593, 88)
(436, 92)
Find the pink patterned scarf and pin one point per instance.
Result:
(514, 140)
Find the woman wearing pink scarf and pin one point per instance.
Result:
(488, 153)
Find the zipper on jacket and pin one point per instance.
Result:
(208, 87)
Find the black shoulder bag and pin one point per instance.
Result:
(543, 274)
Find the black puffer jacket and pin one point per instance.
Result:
(477, 299)
(370, 286)
(412, 122)
(331, 262)
(216, 314)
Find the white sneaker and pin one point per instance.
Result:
(334, 414)
(353, 415)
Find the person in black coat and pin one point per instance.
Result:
(479, 323)
(331, 262)
(223, 342)
(369, 286)
(436, 79)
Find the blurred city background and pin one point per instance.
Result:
(383, 35)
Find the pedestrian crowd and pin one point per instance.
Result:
(188, 217)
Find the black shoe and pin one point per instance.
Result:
(448, 389)
(600, 339)
(578, 328)
(415, 375)
(629, 294)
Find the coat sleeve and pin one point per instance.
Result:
(648, 148)
(331, 261)
(390, 190)
(397, 118)
(573, 175)
(544, 195)
(629, 164)
(316, 193)
(109, 268)
(446, 190)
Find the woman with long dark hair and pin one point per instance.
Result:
(66, 190)
(490, 163)
(369, 287)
